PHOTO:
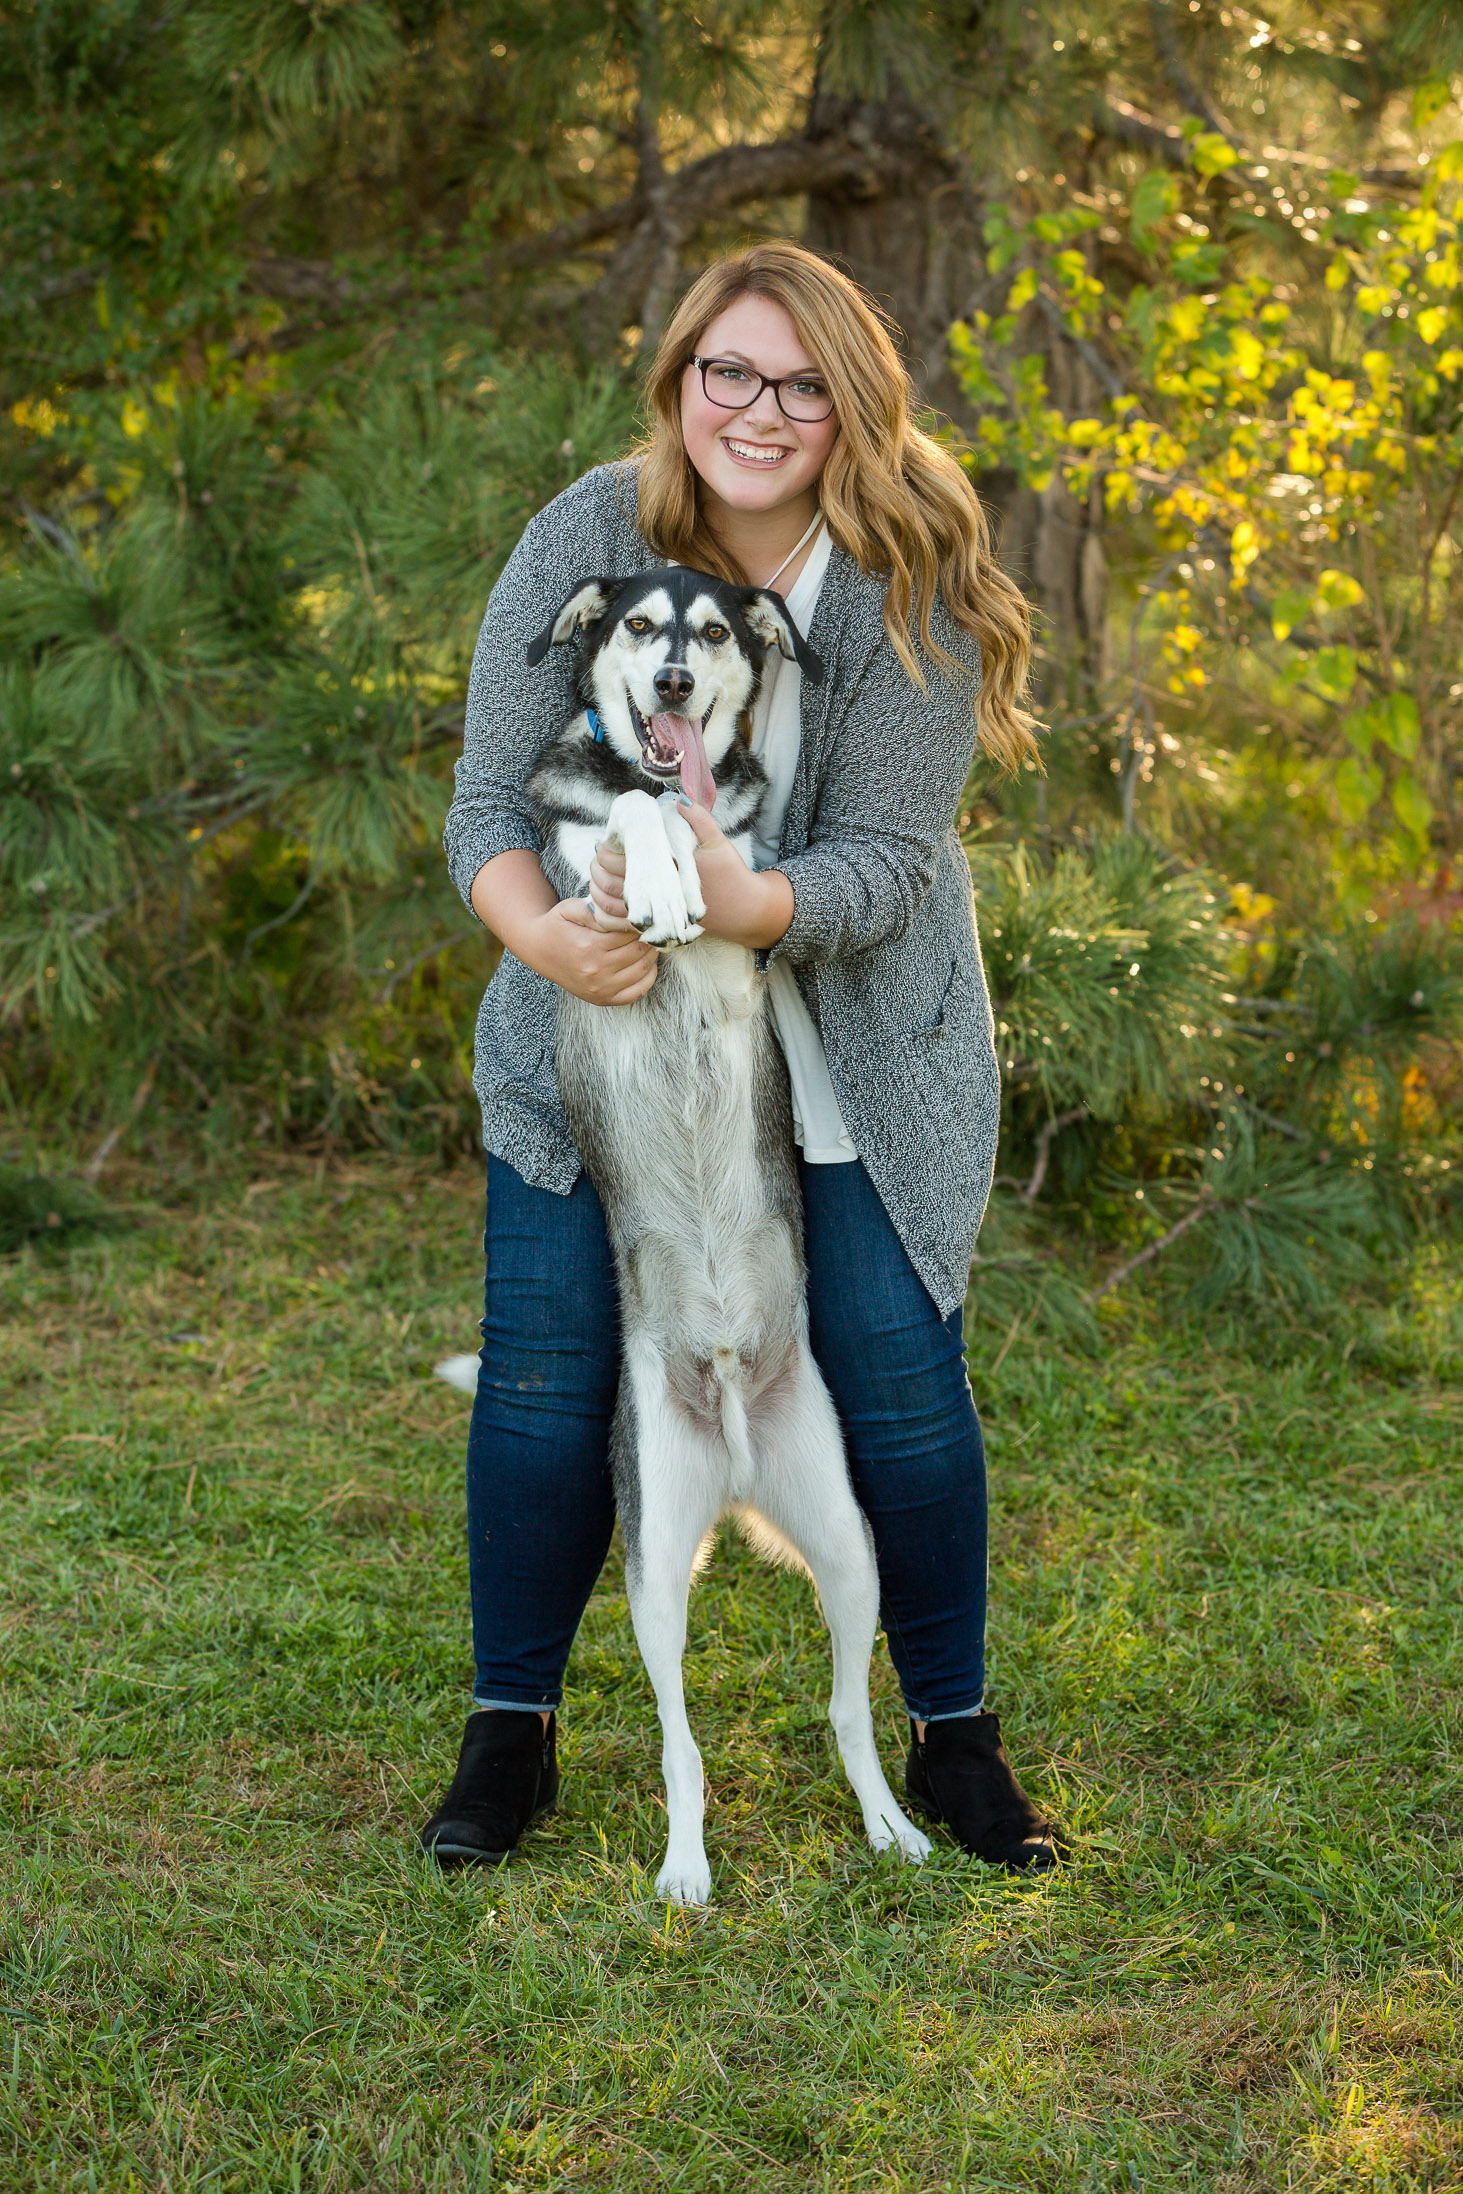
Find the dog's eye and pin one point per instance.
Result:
(715, 632)
(638, 624)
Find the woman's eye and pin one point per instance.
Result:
(808, 388)
(729, 373)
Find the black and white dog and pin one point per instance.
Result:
(679, 1107)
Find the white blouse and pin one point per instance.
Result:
(776, 737)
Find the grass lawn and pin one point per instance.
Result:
(1225, 1637)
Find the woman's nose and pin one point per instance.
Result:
(764, 412)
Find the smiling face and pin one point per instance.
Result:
(754, 460)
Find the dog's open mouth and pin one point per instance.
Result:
(674, 746)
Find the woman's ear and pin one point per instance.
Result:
(767, 618)
(589, 600)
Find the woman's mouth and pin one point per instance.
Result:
(766, 454)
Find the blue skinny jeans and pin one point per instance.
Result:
(540, 1506)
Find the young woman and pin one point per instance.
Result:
(782, 454)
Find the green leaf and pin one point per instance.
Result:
(1212, 153)
(1412, 807)
(1357, 788)
(1397, 723)
(1429, 99)
(1334, 672)
(1023, 289)
(1448, 165)
(1154, 199)
(1360, 731)
(1287, 611)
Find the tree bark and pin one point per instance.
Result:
(910, 229)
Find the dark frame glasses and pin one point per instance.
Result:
(805, 418)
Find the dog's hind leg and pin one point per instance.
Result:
(679, 1496)
(803, 1491)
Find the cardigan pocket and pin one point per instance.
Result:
(960, 1011)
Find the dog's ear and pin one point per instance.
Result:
(590, 599)
(766, 615)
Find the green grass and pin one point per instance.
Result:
(1225, 1638)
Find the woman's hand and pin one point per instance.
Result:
(605, 967)
(560, 938)
(750, 907)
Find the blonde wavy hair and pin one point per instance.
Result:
(894, 499)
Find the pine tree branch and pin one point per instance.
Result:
(1052, 1128)
(428, 952)
(110, 1140)
(1116, 118)
(700, 192)
(1194, 101)
(278, 921)
(1203, 1203)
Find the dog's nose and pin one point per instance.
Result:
(673, 684)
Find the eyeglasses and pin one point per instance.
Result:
(802, 397)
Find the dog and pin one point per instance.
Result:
(680, 1109)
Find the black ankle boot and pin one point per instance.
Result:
(507, 1776)
(958, 1773)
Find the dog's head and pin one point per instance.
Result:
(671, 663)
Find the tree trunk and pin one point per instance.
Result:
(912, 235)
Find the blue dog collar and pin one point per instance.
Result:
(596, 727)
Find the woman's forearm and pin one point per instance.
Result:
(757, 918)
(508, 893)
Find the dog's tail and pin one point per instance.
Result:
(735, 1430)
(461, 1372)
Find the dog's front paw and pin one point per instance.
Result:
(895, 1833)
(682, 841)
(667, 940)
(656, 904)
(684, 1882)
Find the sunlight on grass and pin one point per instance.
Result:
(1225, 1636)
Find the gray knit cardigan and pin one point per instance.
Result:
(882, 940)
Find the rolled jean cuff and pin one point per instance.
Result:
(956, 1714)
(515, 1706)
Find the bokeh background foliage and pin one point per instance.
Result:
(305, 307)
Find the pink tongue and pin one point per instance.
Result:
(684, 732)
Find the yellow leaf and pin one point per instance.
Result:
(1430, 324)
(134, 418)
(1244, 547)
(1247, 353)
(1373, 298)
(1250, 905)
(1212, 154)
(1337, 590)
(1023, 289)
(1337, 274)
